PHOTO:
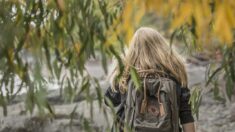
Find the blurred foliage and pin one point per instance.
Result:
(206, 19)
(49, 41)
(226, 70)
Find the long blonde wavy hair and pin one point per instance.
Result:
(150, 50)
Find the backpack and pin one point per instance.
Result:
(154, 107)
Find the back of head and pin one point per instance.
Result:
(150, 50)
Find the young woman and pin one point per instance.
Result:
(150, 52)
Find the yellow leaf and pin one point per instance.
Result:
(198, 18)
(130, 33)
(230, 15)
(139, 12)
(182, 15)
(77, 47)
(222, 27)
(202, 15)
(127, 12)
(173, 5)
(61, 44)
(11, 55)
(155, 5)
(132, 14)
(60, 4)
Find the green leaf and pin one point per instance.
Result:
(12, 85)
(85, 85)
(99, 93)
(3, 104)
(120, 63)
(213, 74)
(73, 113)
(195, 101)
(86, 125)
(50, 109)
(104, 60)
(173, 36)
(135, 78)
(30, 101)
(229, 87)
(47, 54)
(57, 69)
(231, 65)
(216, 92)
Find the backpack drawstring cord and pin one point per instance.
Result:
(144, 101)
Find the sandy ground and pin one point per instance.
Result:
(214, 116)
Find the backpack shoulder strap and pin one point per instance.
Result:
(170, 87)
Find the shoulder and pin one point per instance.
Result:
(183, 92)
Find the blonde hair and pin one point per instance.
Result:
(150, 50)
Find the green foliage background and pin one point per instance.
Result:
(55, 35)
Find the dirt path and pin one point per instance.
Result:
(214, 116)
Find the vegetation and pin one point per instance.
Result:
(57, 36)
(61, 36)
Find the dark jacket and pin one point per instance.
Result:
(183, 95)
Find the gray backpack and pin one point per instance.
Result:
(153, 108)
